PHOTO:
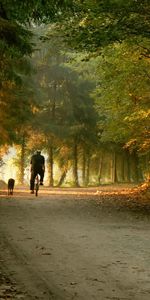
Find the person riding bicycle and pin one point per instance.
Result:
(37, 167)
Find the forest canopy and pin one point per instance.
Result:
(83, 68)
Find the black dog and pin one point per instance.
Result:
(11, 184)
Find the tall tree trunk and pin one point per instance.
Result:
(136, 169)
(62, 178)
(53, 111)
(50, 150)
(22, 162)
(100, 167)
(123, 167)
(87, 170)
(75, 165)
(114, 168)
(83, 167)
(50, 166)
(128, 166)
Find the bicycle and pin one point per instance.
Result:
(36, 184)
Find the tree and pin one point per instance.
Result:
(102, 22)
(16, 45)
(66, 113)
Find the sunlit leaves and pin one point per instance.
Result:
(99, 23)
(122, 94)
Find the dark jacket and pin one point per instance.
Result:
(37, 161)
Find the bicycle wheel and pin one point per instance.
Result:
(36, 185)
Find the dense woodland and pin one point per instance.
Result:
(74, 82)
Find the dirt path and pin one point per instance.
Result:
(73, 246)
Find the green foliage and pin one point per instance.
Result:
(37, 10)
(14, 67)
(116, 75)
(66, 107)
(16, 18)
(122, 95)
(99, 23)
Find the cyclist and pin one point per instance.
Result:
(37, 167)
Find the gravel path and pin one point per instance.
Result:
(73, 246)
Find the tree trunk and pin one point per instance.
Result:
(62, 178)
(122, 173)
(50, 150)
(75, 165)
(135, 164)
(22, 162)
(100, 167)
(128, 167)
(88, 170)
(50, 166)
(114, 168)
(83, 167)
